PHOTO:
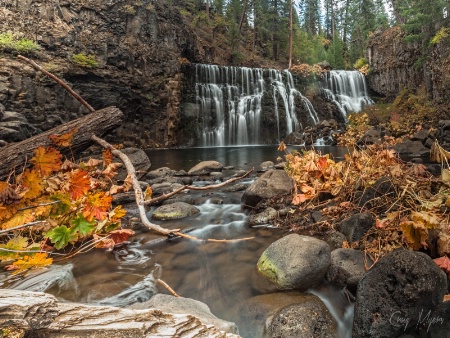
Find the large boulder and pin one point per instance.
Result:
(295, 262)
(412, 148)
(181, 305)
(37, 314)
(394, 296)
(205, 168)
(174, 211)
(287, 314)
(270, 184)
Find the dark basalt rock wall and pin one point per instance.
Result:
(138, 48)
(397, 65)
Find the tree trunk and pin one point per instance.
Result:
(290, 34)
(15, 156)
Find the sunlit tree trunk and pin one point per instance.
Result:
(290, 34)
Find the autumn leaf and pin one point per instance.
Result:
(117, 213)
(63, 206)
(428, 219)
(443, 263)
(322, 163)
(46, 160)
(415, 233)
(79, 185)
(103, 242)
(111, 169)
(96, 205)
(82, 226)
(93, 163)
(38, 260)
(107, 157)
(282, 146)
(121, 235)
(7, 194)
(64, 140)
(298, 199)
(148, 193)
(68, 165)
(20, 218)
(16, 244)
(32, 181)
(61, 236)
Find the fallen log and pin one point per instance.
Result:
(14, 156)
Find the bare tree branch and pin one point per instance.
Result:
(59, 81)
(3, 232)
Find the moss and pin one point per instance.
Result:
(168, 215)
(268, 270)
(84, 60)
(13, 43)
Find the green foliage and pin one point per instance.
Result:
(13, 43)
(361, 62)
(441, 35)
(128, 9)
(84, 60)
(82, 226)
(61, 236)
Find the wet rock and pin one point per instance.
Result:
(160, 172)
(181, 305)
(267, 165)
(180, 198)
(140, 161)
(346, 264)
(295, 262)
(174, 211)
(40, 315)
(124, 197)
(270, 184)
(289, 314)
(228, 167)
(421, 135)
(294, 138)
(235, 187)
(264, 217)
(215, 175)
(412, 148)
(372, 136)
(396, 293)
(205, 168)
(239, 173)
(355, 227)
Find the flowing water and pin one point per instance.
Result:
(231, 102)
(347, 89)
(222, 275)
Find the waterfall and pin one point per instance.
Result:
(230, 103)
(347, 89)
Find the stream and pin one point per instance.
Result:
(222, 275)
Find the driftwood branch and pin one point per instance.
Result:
(59, 81)
(192, 187)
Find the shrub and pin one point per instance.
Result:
(84, 60)
(13, 43)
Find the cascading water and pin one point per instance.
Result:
(347, 89)
(230, 101)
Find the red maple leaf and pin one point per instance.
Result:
(79, 184)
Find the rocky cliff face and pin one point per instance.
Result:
(138, 48)
(397, 65)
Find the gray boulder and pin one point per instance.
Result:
(263, 217)
(205, 168)
(412, 148)
(347, 267)
(287, 315)
(270, 184)
(355, 227)
(395, 295)
(174, 211)
(267, 165)
(295, 262)
(181, 305)
(160, 172)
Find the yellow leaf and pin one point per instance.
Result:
(148, 193)
(38, 260)
(429, 220)
(46, 160)
(415, 233)
(20, 218)
(32, 181)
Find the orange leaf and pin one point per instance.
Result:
(38, 260)
(322, 163)
(282, 146)
(32, 181)
(7, 194)
(443, 263)
(298, 199)
(121, 235)
(79, 184)
(104, 243)
(107, 157)
(148, 193)
(117, 213)
(96, 205)
(111, 169)
(64, 140)
(46, 160)
(446, 298)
